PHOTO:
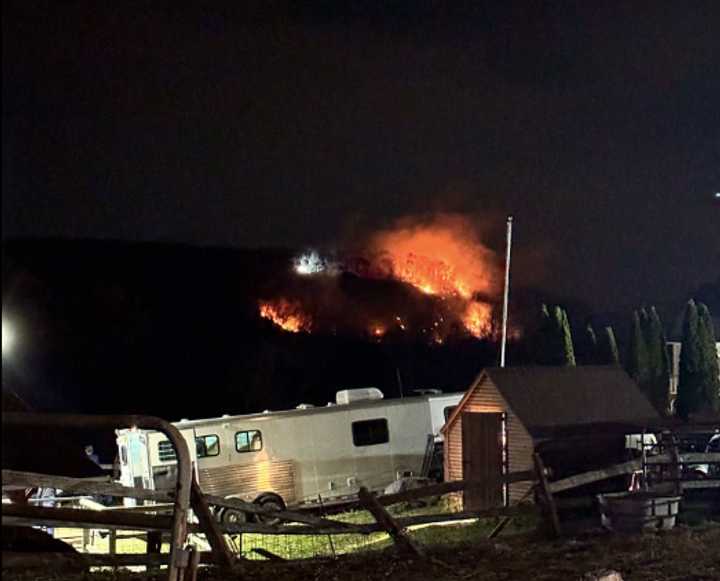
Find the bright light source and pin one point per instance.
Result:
(8, 337)
(310, 263)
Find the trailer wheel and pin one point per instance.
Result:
(272, 501)
(233, 516)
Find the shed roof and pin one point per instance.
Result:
(551, 397)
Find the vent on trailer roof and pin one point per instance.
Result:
(347, 396)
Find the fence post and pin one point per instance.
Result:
(209, 526)
(675, 469)
(546, 495)
(386, 522)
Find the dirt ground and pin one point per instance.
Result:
(684, 554)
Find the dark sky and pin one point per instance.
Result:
(597, 124)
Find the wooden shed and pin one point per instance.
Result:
(506, 413)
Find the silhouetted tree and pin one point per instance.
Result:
(589, 353)
(637, 357)
(658, 386)
(710, 367)
(607, 348)
(690, 388)
(568, 351)
(554, 338)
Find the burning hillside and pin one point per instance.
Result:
(441, 256)
(430, 277)
(288, 315)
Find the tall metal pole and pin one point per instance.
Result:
(506, 293)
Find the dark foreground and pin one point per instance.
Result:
(684, 554)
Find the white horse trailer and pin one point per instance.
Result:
(298, 456)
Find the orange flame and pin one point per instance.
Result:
(478, 319)
(443, 256)
(287, 315)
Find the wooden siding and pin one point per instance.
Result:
(485, 397)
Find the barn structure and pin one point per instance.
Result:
(509, 413)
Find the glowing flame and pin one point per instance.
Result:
(377, 330)
(478, 319)
(440, 256)
(287, 315)
(443, 256)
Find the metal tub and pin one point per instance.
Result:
(638, 511)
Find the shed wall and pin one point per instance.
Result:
(485, 397)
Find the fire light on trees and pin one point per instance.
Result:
(288, 315)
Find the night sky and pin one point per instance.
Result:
(597, 124)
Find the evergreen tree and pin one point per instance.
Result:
(608, 349)
(591, 355)
(637, 359)
(659, 362)
(554, 338)
(568, 351)
(544, 342)
(690, 388)
(710, 366)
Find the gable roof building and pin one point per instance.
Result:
(527, 405)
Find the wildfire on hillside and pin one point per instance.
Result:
(288, 315)
(442, 257)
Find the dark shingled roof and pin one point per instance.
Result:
(551, 397)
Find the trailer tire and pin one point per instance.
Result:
(272, 501)
(233, 516)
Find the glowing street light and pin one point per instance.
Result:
(8, 337)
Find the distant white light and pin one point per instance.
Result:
(8, 337)
(717, 195)
(310, 263)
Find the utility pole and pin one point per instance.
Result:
(506, 293)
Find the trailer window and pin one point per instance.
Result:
(207, 446)
(370, 432)
(166, 452)
(248, 441)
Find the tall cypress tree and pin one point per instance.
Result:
(690, 388)
(607, 348)
(554, 338)
(544, 342)
(637, 359)
(709, 363)
(590, 351)
(659, 362)
(568, 351)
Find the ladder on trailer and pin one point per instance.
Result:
(429, 456)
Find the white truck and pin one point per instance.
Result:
(300, 456)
